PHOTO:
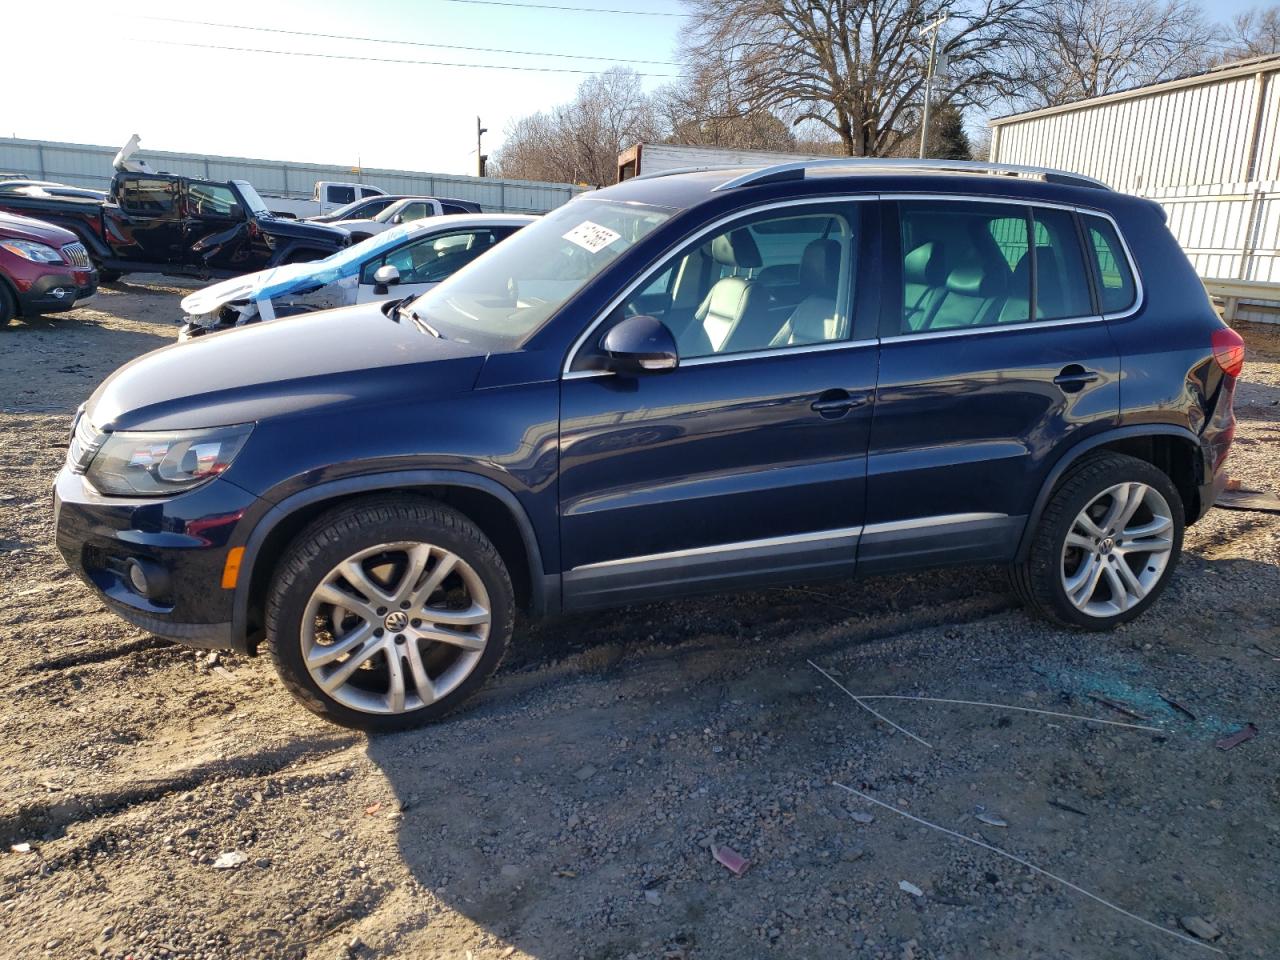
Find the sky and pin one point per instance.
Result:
(115, 71)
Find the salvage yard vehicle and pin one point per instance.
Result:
(406, 210)
(326, 197)
(161, 223)
(358, 209)
(686, 383)
(43, 269)
(403, 262)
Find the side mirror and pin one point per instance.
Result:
(640, 344)
(385, 277)
(398, 218)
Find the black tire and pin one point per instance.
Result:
(108, 276)
(1038, 581)
(8, 304)
(340, 534)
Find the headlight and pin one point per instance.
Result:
(30, 250)
(150, 464)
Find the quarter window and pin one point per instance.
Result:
(1116, 287)
(769, 283)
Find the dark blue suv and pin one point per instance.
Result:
(685, 383)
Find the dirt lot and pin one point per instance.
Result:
(570, 811)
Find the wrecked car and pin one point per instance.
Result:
(155, 222)
(406, 210)
(405, 261)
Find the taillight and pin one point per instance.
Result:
(1228, 350)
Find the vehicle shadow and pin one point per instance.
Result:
(570, 811)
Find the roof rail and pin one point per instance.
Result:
(797, 170)
(676, 171)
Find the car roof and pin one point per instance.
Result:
(730, 187)
(450, 221)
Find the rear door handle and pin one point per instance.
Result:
(1074, 377)
(836, 403)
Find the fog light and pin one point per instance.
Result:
(138, 577)
(59, 292)
(146, 578)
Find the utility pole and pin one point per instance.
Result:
(933, 29)
(480, 157)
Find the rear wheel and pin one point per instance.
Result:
(1106, 545)
(389, 613)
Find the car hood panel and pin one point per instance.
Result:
(336, 357)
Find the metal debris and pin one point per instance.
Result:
(1177, 706)
(730, 859)
(1237, 738)
(990, 819)
(1062, 805)
(1028, 865)
(1118, 707)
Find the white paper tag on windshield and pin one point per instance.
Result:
(591, 236)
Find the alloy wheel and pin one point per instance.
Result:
(395, 627)
(1117, 549)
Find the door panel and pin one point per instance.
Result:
(711, 456)
(968, 417)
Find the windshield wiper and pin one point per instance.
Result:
(402, 310)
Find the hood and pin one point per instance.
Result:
(14, 227)
(252, 286)
(303, 230)
(332, 358)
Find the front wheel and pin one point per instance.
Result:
(389, 613)
(1106, 545)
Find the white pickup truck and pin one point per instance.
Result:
(327, 196)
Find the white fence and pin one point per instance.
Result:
(88, 165)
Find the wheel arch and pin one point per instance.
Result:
(1173, 449)
(485, 502)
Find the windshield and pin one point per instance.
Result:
(507, 294)
(344, 212)
(402, 206)
(251, 198)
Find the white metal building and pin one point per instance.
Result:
(1206, 147)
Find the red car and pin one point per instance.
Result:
(43, 268)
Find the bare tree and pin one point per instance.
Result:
(854, 66)
(1253, 33)
(579, 142)
(704, 109)
(1075, 49)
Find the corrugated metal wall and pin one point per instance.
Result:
(89, 165)
(1207, 149)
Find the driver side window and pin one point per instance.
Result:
(775, 281)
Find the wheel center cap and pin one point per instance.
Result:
(396, 621)
(1106, 546)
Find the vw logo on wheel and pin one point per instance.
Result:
(396, 621)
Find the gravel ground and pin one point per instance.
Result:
(572, 810)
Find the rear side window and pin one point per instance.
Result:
(964, 265)
(1116, 287)
(154, 198)
(341, 195)
(1062, 283)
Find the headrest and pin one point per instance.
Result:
(924, 265)
(978, 280)
(820, 267)
(737, 248)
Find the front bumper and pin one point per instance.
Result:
(182, 542)
(59, 291)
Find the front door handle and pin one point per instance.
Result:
(1073, 378)
(832, 404)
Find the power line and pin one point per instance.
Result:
(420, 63)
(408, 43)
(552, 6)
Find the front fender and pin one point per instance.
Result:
(545, 588)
